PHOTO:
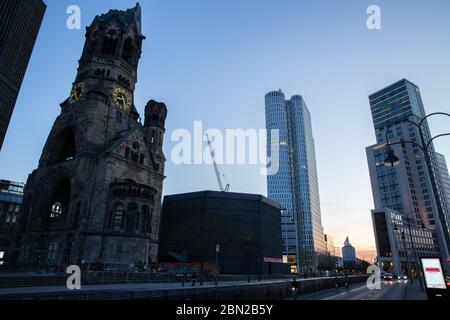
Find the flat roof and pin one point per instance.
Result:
(223, 195)
(390, 87)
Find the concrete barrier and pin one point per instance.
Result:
(254, 291)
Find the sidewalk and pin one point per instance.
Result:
(413, 292)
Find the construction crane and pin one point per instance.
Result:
(219, 175)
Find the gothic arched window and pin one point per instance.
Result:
(56, 211)
(64, 146)
(110, 42)
(59, 200)
(127, 52)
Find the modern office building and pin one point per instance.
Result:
(245, 227)
(348, 252)
(401, 240)
(20, 21)
(11, 194)
(295, 186)
(444, 177)
(406, 187)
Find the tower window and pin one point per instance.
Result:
(56, 211)
(64, 148)
(109, 44)
(127, 52)
(60, 199)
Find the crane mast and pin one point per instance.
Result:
(216, 168)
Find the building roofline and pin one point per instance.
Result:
(390, 86)
(220, 194)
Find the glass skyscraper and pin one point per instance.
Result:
(407, 187)
(295, 186)
(20, 21)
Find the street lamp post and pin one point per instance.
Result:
(413, 247)
(392, 160)
(408, 265)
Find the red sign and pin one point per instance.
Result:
(273, 260)
(432, 270)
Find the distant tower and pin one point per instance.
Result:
(348, 252)
(20, 21)
(96, 195)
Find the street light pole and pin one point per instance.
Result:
(416, 258)
(408, 266)
(392, 161)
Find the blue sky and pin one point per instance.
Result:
(214, 61)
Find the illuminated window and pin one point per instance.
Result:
(56, 210)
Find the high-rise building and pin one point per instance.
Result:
(407, 187)
(20, 21)
(95, 197)
(295, 186)
(445, 182)
(348, 252)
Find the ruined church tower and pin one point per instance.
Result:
(95, 197)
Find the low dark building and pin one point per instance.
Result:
(246, 227)
(11, 194)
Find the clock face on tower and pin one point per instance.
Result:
(122, 99)
(77, 92)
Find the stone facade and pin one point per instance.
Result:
(96, 196)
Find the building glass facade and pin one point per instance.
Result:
(295, 187)
(444, 178)
(406, 188)
(20, 21)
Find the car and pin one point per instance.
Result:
(402, 276)
(388, 277)
(447, 279)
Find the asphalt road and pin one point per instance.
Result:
(388, 291)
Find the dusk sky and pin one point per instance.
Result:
(215, 60)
